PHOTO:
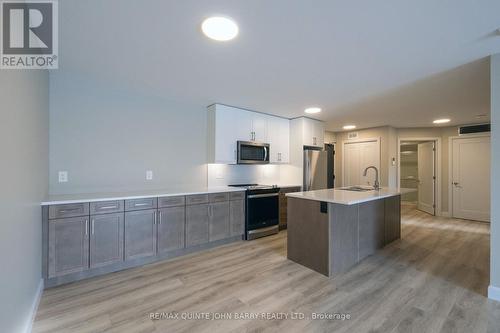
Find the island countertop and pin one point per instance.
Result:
(346, 197)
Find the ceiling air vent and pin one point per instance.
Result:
(471, 129)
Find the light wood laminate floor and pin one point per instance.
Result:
(433, 280)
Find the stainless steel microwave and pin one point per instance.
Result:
(253, 152)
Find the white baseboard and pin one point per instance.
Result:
(34, 307)
(494, 293)
(445, 214)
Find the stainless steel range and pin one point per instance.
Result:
(262, 210)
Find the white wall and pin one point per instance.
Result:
(24, 127)
(107, 137)
(494, 290)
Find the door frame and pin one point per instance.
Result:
(346, 142)
(437, 160)
(450, 164)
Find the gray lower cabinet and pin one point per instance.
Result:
(371, 227)
(68, 246)
(106, 239)
(140, 234)
(218, 220)
(237, 218)
(196, 224)
(171, 228)
(392, 219)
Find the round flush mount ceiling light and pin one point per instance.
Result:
(312, 110)
(441, 121)
(349, 127)
(220, 28)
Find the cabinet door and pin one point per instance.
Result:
(171, 228)
(259, 126)
(218, 220)
(196, 224)
(319, 133)
(392, 219)
(371, 227)
(229, 125)
(140, 234)
(307, 132)
(68, 246)
(279, 139)
(106, 239)
(237, 217)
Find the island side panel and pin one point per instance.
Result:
(392, 219)
(307, 235)
(371, 227)
(344, 250)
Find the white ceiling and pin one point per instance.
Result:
(371, 63)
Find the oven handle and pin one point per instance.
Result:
(263, 195)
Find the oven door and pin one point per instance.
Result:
(253, 152)
(262, 210)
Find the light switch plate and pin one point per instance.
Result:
(149, 175)
(63, 176)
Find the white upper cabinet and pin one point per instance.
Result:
(313, 132)
(227, 125)
(279, 139)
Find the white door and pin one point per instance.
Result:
(426, 177)
(471, 178)
(357, 157)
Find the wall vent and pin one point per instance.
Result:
(352, 135)
(471, 129)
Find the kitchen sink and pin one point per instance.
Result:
(357, 189)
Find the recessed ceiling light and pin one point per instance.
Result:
(220, 28)
(312, 110)
(349, 127)
(441, 121)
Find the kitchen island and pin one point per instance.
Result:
(331, 230)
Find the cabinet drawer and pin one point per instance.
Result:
(68, 210)
(105, 207)
(196, 199)
(171, 201)
(238, 196)
(218, 197)
(140, 204)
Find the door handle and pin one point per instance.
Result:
(457, 184)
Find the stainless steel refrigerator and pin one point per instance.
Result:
(319, 168)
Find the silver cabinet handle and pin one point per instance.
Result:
(108, 207)
(265, 153)
(92, 226)
(141, 204)
(62, 211)
(154, 219)
(86, 227)
(159, 218)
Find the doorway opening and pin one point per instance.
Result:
(418, 172)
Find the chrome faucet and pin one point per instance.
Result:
(376, 185)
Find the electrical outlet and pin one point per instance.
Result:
(63, 176)
(149, 175)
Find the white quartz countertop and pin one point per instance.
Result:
(95, 197)
(344, 197)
